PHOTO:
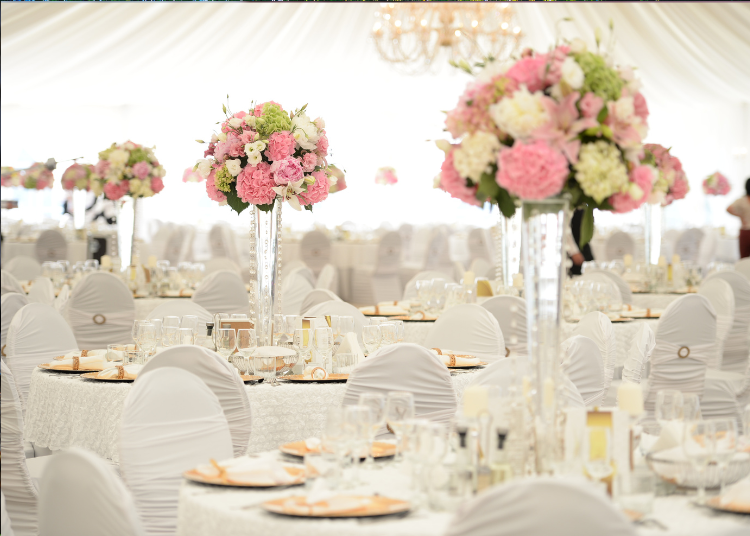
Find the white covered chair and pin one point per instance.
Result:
(438, 257)
(468, 328)
(482, 268)
(303, 271)
(479, 246)
(36, 335)
(81, 495)
(570, 508)
(10, 284)
(51, 246)
(382, 282)
(62, 298)
(721, 296)
(223, 244)
(625, 293)
(597, 327)
(742, 266)
(222, 263)
(181, 308)
(510, 313)
(42, 291)
(221, 377)
(291, 267)
(618, 245)
(12, 302)
(406, 367)
(315, 250)
(222, 292)
(101, 311)
(639, 354)
(668, 243)
(410, 292)
(602, 278)
(737, 346)
(328, 279)
(582, 363)
(315, 297)
(171, 422)
(688, 244)
(5, 526)
(23, 267)
(293, 291)
(340, 308)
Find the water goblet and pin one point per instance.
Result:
(185, 336)
(247, 341)
(388, 333)
(225, 342)
(169, 336)
(371, 336)
(399, 407)
(698, 446)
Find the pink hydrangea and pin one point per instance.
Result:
(532, 171)
(716, 184)
(309, 161)
(210, 151)
(115, 190)
(317, 191)
(286, 171)
(642, 176)
(141, 170)
(679, 189)
(322, 145)
(280, 146)
(259, 108)
(551, 72)
(102, 167)
(232, 147)
(591, 105)
(211, 189)
(255, 184)
(455, 184)
(529, 71)
(157, 185)
(640, 105)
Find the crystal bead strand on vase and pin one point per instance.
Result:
(266, 247)
(253, 270)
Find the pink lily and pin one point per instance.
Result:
(564, 126)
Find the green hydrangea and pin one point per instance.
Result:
(601, 80)
(139, 154)
(273, 119)
(103, 155)
(224, 180)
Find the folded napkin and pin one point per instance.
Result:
(177, 293)
(313, 444)
(637, 312)
(737, 495)
(383, 310)
(350, 345)
(127, 372)
(314, 373)
(78, 362)
(245, 470)
(403, 304)
(421, 315)
(81, 353)
(669, 438)
(452, 358)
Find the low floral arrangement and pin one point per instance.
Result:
(564, 122)
(267, 154)
(37, 177)
(671, 183)
(716, 184)
(129, 169)
(78, 177)
(9, 177)
(386, 175)
(190, 175)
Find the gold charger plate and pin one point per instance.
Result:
(246, 378)
(380, 449)
(298, 507)
(298, 473)
(93, 376)
(622, 319)
(47, 366)
(332, 378)
(480, 364)
(392, 315)
(406, 318)
(737, 508)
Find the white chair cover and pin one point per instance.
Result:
(406, 367)
(688, 244)
(81, 495)
(340, 308)
(501, 373)
(510, 313)
(62, 298)
(221, 377)
(625, 293)
(305, 272)
(315, 250)
(5, 527)
(479, 245)
(19, 489)
(23, 267)
(721, 296)
(101, 311)
(42, 291)
(374, 284)
(328, 278)
(10, 284)
(222, 263)
(639, 354)
(540, 507)
(51, 246)
(720, 398)
(222, 292)
(482, 268)
(174, 245)
(222, 241)
(36, 335)
(685, 344)
(186, 248)
(410, 292)
(618, 245)
(742, 267)
(597, 327)
(668, 242)
(708, 248)
(293, 291)
(582, 363)
(291, 267)
(438, 256)
(171, 422)
(11, 303)
(315, 297)
(736, 345)
(468, 328)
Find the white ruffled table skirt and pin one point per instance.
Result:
(64, 410)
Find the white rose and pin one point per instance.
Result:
(234, 166)
(118, 157)
(521, 114)
(214, 138)
(577, 45)
(320, 123)
(492, 69)
(305, 132)
(476, 154)
(222, 136)
(128, 145)
(235, 122)
(204, 167)
(258, 146)
(572, 73)
(624, 109)
(250, 120)
(254, 158)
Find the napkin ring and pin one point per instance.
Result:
(377, 310)
(438, 350)
(120, 372)
(312, 373)
(2, 350)
(99, 319)
(452, 360)
(76, 362)
(84, 353)
(507, 351)
(648, 313)
(395, 303)
(680, 352)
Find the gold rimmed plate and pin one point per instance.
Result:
(734, 507)
(406, 318)
(95, 376)
(380, 449)
(48, 366)
(338, 507)
(251, 379)
(332, 378)
(480, 364)
(296, 472)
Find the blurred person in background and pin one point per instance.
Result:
(741, 209)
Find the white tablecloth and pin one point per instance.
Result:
(77, 251)
(654, 301)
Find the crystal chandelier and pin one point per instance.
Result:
(414, 35)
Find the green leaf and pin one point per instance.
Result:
(587, 225)
(224, 108)
(488, 187)
(237, 204)
(265, 208)
(308, 207)
(505, 203)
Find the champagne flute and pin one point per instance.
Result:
(323, 342)
(400, 330)
(389, 333)
(303, 343)
(399, 407)
(598, 452)
(371, 336)
(698, 446)
(247, 342)
(169, 336)
(725, 446)
(376, 403)
(225, 342)
(185, 336)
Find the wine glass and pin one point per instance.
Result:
(169, 336)
(291, 322)
(185, 336)
(698, 446)
(303, 343)
(423, 291)
(598, 452)
(388, 333)
(335, 326)
(371, 336)
(346, 325)
(136, 328)
(147, 338)
(158, 324)
(225, 342)
(189, 321)
(669, 405)
(438, 293)
(278, 328)
(400, 330)
(725, 446)
(357, 422)
(691, 408)
(399, 407)
(376, 403)
(171, 321)
(246, 341)
(323, 341)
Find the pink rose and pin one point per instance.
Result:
(248, 136)
(286, 171)
(641, 176)
(591, 105)
(309, 161)
(259, 108)
(317, 191)
(115, 190)
(280, 146)
(680, 188)
(322, 143)
(232, 147)
(141, 169)
(532, 171)
(455, 185)
(211, 189)
(529, 71)
(157, 185)
(641, 107)
(101, 167)
(254, 184)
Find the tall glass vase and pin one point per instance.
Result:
(265, 270)
(544, 226)
(507, 248)
(652, 232)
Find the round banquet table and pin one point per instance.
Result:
(654, 301)
(64, 410)
(77, 250)
(236, 512)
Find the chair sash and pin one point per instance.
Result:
(678, 367)
(97, 330)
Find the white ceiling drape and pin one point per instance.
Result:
(77, 77)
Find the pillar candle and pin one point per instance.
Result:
(105, 261)
(152, 261)
(662, 260)
(628, 259)
(469, 278)
(630, 398)
(476, 400)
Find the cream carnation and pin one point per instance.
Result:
(234, 166)
(235, 122)
(305, 132)
(476, 153)
(521, 114)
(572, 74)
(600, 171)
(118, 157)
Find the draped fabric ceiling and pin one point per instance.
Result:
(77, 77)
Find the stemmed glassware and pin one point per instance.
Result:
(725, 446)
(424, 290)
(279, 326)
(225, 342)
(186, 336)
(303, 343)
(147, 338)
(247, 342)
(400, 330)
(376, 403)
(371, 336)
(691, 408)
(189, 322)
(669, 406)
(438, 294)
(171, 321)
(698, 444)
(323, 342)
(158, 324)
(346, 325)
(135, 330)
(290, 324)
(399, 407)
(389, 333)
(357, 424)
(169, 336)
(598, 452)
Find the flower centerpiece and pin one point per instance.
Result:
(386, 175)
(129, 169)
(10, 177)
(671, 182)
(80, 177)
(265, 157)
(191, 175)
(716, 184)
(37, 177)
